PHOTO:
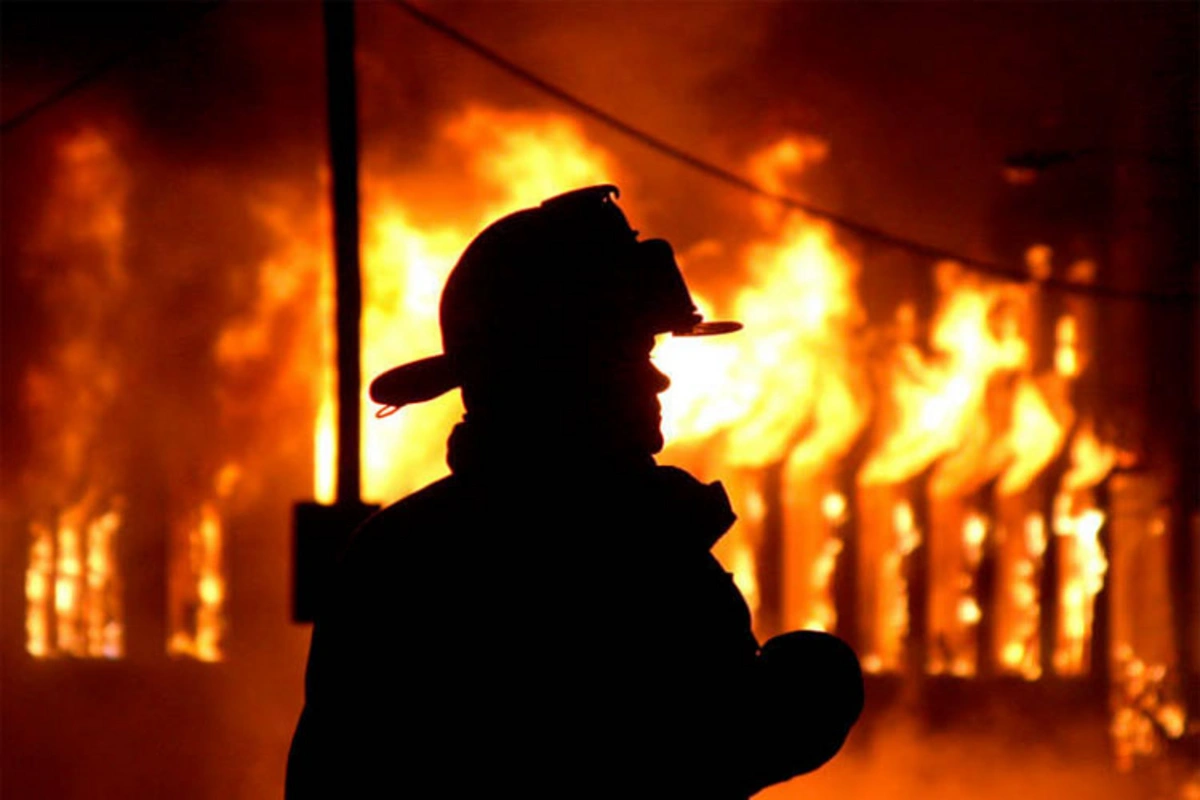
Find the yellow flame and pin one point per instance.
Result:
(938, 400)
(1077, 525)
(68, 585)
(1035, 437)
(833, 506)
(197, 581)
(1084, 566)
(515, 160)
(889, 640)
(72, 582)
(1066, 346)
(1091, 459)
(1146, 709)
(71, 578)
(38, 579)
(1020, 648)
(771, 168)
(974, 533)
(794, 373)
(105, 631)
(1038, 261)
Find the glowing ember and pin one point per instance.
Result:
(1146, 712)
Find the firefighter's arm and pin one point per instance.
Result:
(809, 692)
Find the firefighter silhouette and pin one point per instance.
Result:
(548, 620)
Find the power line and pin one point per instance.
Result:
(100, 69)
(861, 229)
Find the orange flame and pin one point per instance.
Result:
(515, 160)
(789, 392)
(1020, 651)
(72, 585)
(939, 400)
(197, 581)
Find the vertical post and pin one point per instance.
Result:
(343, 151)
(322, 531)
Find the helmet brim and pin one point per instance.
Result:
(427, 378)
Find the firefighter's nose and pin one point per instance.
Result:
(661, 381)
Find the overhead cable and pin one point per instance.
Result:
(101, 69)
(861, 229)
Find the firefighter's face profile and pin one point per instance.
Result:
(620, 393)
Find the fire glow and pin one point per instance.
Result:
(774, 412)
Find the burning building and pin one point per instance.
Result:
(987, 484)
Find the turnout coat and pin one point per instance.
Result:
(555, 632)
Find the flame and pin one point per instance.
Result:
(938, 400)
(787, 393)
(1035, 437)
(1084, 567)
(885, 651)
(824, 613)
(1038, 261)
(1091, 459)
(71, 588)
(514, 160)
(833, 506)
(1147, 712)
(908, 538)
(813, 582)
(38, 578)
(794, 372)
(197, 581)
(800, 303)
(771, 167)
(1020, 650)
(72, 585)
(936, 412)
(1066, 346)
(1077, 524)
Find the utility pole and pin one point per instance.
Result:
(321, 531)
(343, 155)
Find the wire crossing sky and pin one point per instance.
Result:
(860, 229)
